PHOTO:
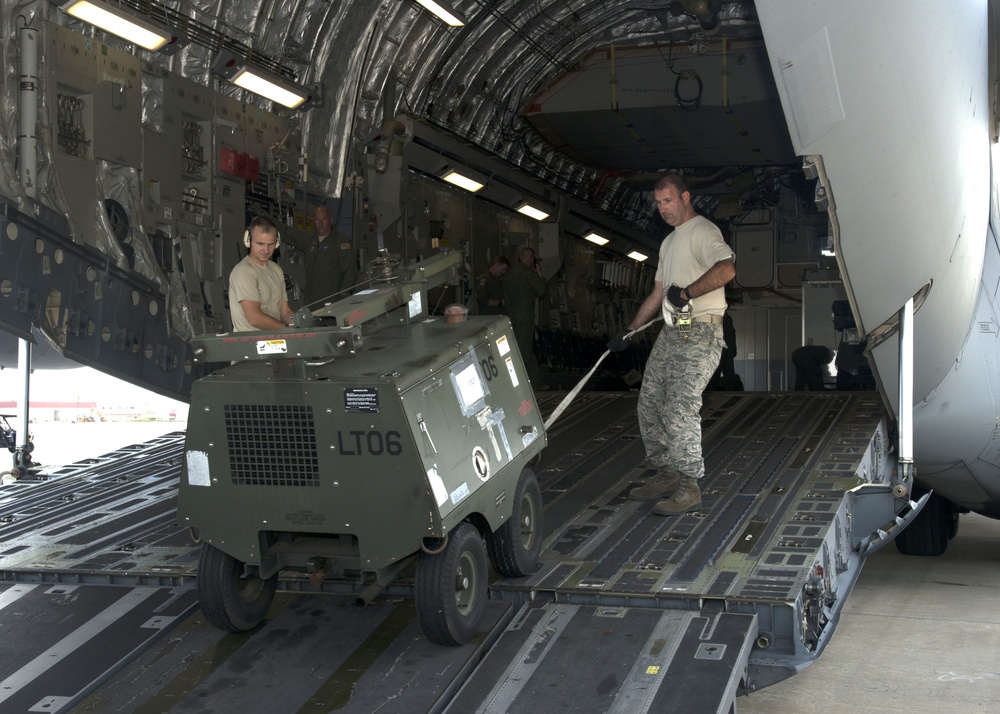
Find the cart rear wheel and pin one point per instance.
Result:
(515, 545)
(230, 601)
(451, 588)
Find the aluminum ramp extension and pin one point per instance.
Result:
(620, 660)
(780, 536)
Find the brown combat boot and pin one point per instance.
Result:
(663, 484)
(686, 499)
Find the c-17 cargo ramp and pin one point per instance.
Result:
(629, 611)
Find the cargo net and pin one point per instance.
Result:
(272, 445)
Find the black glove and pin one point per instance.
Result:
(619, 341)
(675, 298)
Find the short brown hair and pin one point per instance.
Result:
(672, 179)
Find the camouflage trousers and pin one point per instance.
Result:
(669, 408)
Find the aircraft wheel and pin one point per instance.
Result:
(451, 588)
(230, 601)
(515, 545)
(928, 534)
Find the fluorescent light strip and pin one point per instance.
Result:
(636, 255)
(250, 80)
(457, 179)
(595, 238)
(532, 212)
(120, 23)
(446, 15)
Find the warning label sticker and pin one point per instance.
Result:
(271, 347)
(361, 399)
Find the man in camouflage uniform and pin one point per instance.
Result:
(686, 351)
(489, 286)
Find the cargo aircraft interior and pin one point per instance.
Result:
(379, 507)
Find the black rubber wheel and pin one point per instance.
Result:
(515, 545)
(228, 600)
(928, 534)
(451, 588)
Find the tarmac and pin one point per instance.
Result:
(916, 635)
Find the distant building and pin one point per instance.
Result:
(55, 411)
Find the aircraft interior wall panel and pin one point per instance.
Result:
(751, 347)
(754, 248)
(189, 256)
(196, 171)
(817, 312)
(382, 194)
(416, 215)
(161, 182)
(452, 225)
(118, 108)
(853, 79)
(70, 88)
(547, 251)
(484, 239)
(782, 332)
(81, 200)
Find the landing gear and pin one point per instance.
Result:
(230, 601)
(931, 530)
(451, 588)
(515, 545)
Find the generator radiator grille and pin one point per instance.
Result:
(272, 445)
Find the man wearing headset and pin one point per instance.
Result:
(257, 298)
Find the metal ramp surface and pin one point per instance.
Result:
(621, 660)
(628, 610)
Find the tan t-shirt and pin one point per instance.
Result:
(685, 255)
(261, 283)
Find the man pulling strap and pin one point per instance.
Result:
(695, 263)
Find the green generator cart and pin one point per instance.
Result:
(368, 438)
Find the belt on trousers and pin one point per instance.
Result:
(711, 319)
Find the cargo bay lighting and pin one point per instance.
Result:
(259, 81)
(461, 180)
(636, 255)
(530, 211)
(443, 13)
(120, 22)
(596, 238)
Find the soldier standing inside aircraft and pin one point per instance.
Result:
(686, 351)
(489, 286)
(257, 298)
(522, 287)
(331, 263)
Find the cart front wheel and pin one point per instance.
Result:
(230, 601)
(451, 588)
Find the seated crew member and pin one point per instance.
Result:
(257, 298)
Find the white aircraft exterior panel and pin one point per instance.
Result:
(893, 96)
